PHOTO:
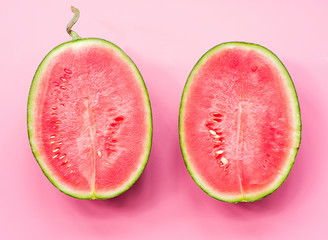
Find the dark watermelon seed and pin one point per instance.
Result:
(217, 145)
(65, 162)
(67, 70)
(216, 115)
(113, 124)
(209, 125)
(119, 119)
(217, 120)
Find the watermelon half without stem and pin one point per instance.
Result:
(240, 124)
(89, 118)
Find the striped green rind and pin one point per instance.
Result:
(297, 124)
(36, 88)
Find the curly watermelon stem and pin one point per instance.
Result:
(69, 30)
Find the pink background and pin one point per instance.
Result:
(165, 39)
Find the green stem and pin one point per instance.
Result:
(69, 30)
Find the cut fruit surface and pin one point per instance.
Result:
(89, 119)
(240, 124)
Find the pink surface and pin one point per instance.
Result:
(165, 39)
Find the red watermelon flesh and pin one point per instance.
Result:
(239, 122)
(89, 119)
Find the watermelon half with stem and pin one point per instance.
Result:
(240, 124)
(89, 118)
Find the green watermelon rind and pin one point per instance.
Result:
(30, 123)
(297, 118)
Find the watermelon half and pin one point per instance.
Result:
(89, 119)
(240, 125)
